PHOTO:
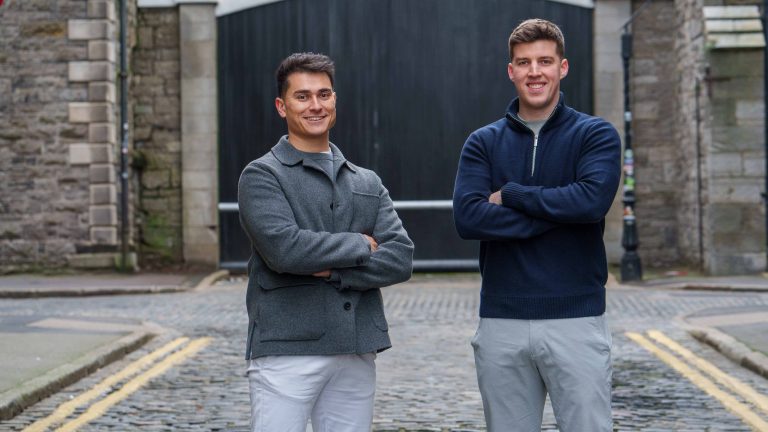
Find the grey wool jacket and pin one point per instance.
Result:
(300, 222)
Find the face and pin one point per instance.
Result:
(536, 71)
(309, 107)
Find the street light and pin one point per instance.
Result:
(631, 267)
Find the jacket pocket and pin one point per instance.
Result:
(292, 314)
(374, 305)
(365, 211)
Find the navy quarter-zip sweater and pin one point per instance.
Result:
(541, 252)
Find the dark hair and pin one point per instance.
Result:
(303, 62)
(535, 29)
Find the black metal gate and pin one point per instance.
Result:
(413, 79)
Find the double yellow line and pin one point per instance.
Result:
(99, 408)
(678, 363)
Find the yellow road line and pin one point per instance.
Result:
(730, 402)
(99, 408)
(723, 378)
(67, 408)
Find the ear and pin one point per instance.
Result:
(510, 71)
(280, 106)
(563, 68)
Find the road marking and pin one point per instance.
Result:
(99, 408)
(723, 378)
(67, 408)
(709, 387)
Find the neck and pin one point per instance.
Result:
(315, 145)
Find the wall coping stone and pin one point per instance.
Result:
(733, 27)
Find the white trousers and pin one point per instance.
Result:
(336, 392)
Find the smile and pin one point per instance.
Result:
(314, 118)
(535, 86)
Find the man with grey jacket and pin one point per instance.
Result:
(325, 237)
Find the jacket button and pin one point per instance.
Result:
(347, 306)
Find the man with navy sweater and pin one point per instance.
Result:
(534, 188)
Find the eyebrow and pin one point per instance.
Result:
(308, 91)
(528, 58)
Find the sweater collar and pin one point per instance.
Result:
(558, 114)
(288, 155)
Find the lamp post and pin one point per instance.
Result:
(631, 268)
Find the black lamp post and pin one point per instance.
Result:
(631, 268)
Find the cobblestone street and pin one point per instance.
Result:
(426, 382)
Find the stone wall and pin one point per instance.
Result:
(656, 152)
(157, 135)
(735, 213)
(58, 197)
(698, 122)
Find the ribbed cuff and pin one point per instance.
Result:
(512, 193)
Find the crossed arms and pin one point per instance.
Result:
(516, 211)
(350, 260)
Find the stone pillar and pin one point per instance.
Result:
(199, 132)
(610, 15)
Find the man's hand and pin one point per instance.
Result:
(495, 198)
(327, 273)
(372, 241)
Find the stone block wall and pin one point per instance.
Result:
(700, 163)
(57, 144)
(735, 220)
(156, 92)
(657, 155)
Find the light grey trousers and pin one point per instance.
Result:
(519, 361)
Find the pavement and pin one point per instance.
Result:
(41, 355)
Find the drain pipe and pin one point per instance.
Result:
(123, 136)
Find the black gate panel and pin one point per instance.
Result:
(413, 78)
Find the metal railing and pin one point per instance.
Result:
(441, 265)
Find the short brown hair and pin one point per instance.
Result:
(303, 62)
(535, 29)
